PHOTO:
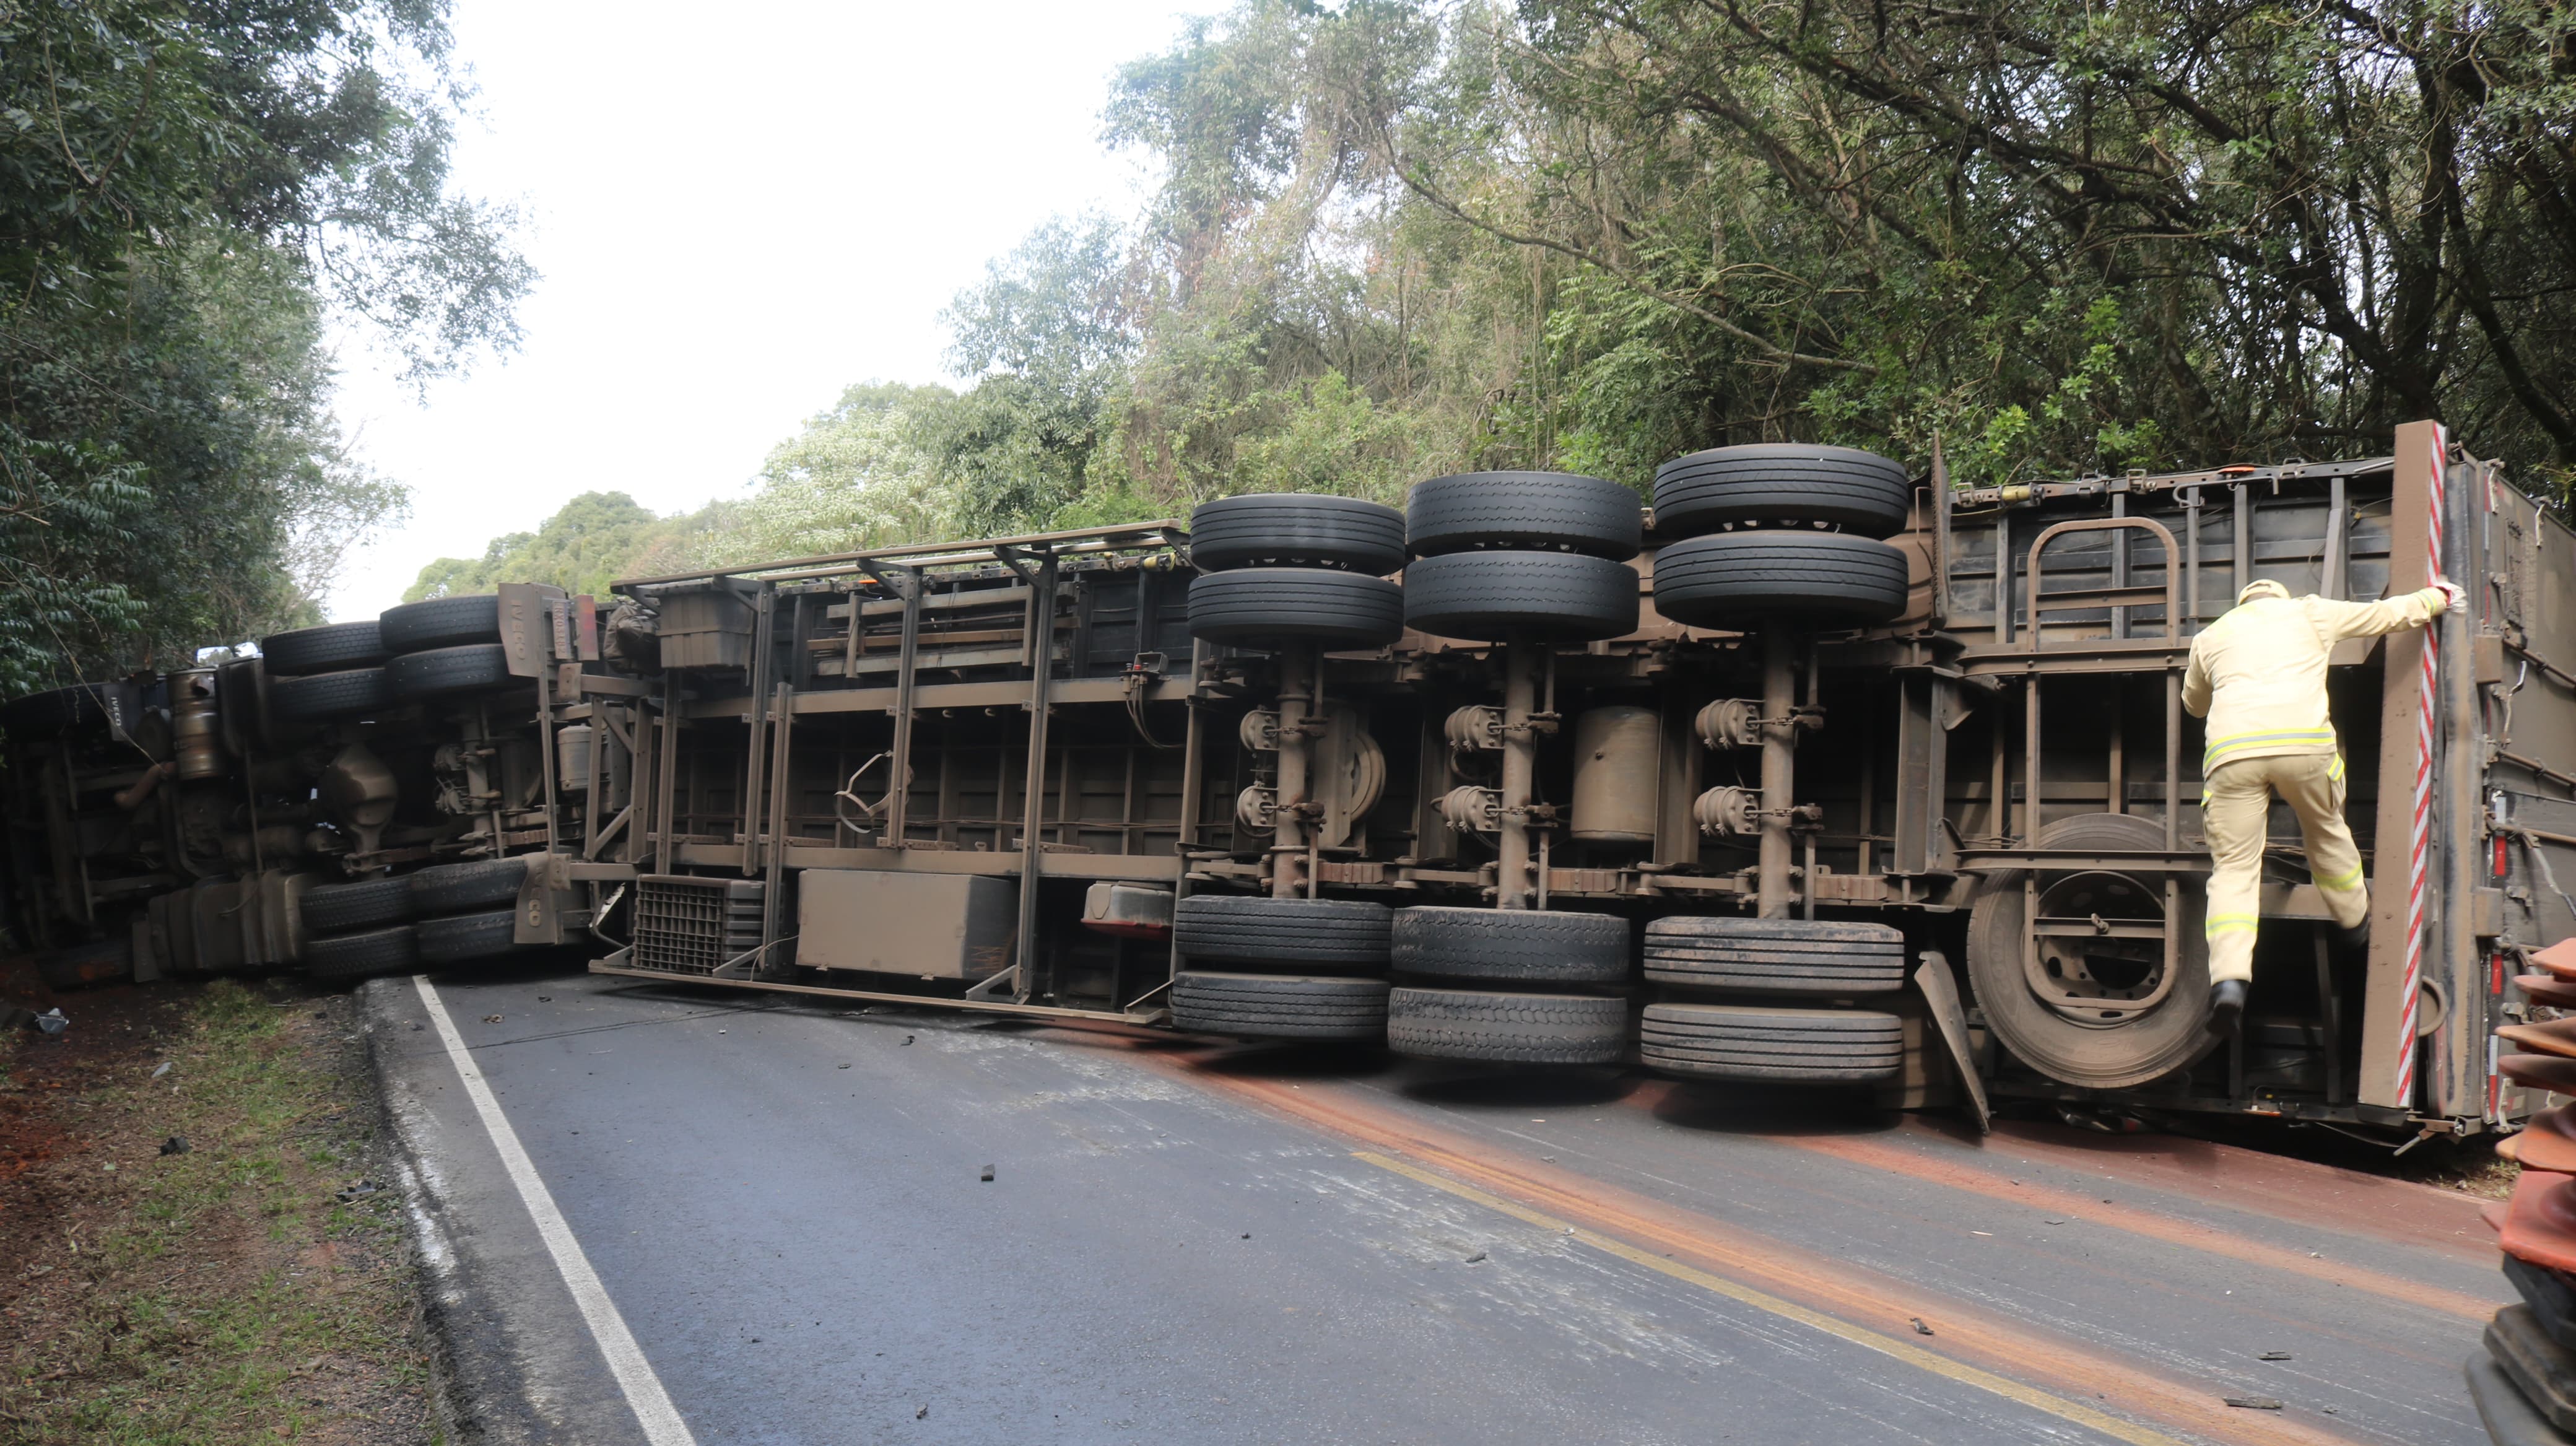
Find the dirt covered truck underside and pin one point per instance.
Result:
(1820, 772)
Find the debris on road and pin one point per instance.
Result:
(51, 1021)
(1920, 1328)
(1476, 1259)
(491, 1019)
(164, 1069)
(988, 1172)
(2252, 1403)
(907, 1039)
(175, 1145)
(924, 1413)
(2273, 1356)
(359, 1191)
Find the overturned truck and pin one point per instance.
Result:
(1819, 773)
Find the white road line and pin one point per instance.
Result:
(653, 1410)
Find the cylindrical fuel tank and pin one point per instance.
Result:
(196, 728)
(572, 757)
(1615, 752)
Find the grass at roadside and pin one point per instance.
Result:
(224, 1293)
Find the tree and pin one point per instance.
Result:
(186, 190)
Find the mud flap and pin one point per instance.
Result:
(1941, 992)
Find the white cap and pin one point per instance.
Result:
(2261, 587)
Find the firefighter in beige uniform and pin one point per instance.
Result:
(2258, 675)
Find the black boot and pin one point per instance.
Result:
(2226, 1006)
(2355, 940)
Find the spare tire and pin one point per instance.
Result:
(441, 622)
(2116, 1048)
(1733, 578)
(1523, 946)
(327, 649)
(1496, 596)
(1266, 606)
(467, 936)
(329, 695)
(1247, 929)
(356, 956)
(1506, 1028)
(331, 908)
(1772, 1046)
(1296, 529)
(456, 888)
(1276, 1006)
(450, 670)
(1532, 511)
(1860, 492)
(1782, 956)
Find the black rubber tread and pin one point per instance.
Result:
(1761, 1044)
(1788, 956)
(1737, 577)
(1296, 529)
(2148, 1047)
(58, 708)
(330, 695)
(1494, 596)
(467, 936)
(2509, 1416)
(1506, 1028)
(1523, 946)
(331, 908)
(1538, 511)
(2549, 1295)
(450, 670)
(441, 622)
(1860, 492)
(2543, 1370)
(458, 888)
(330, 648)
(357, 956)
(1262, 606)
(1241, 928)
(1279, 1006)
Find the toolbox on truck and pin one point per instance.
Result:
(933, 926)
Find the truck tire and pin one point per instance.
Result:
(1860, 492)
(1266, 606)
(1506, 1028)
(1495, 596)
(1296, 529)
(329, 695)
(1731, 578)
(1760, 1045)
(467, 936)
(1781, 956)
(1523, 511)
(1519, 946)
(358, 956)
(335, 908)
(328, 649)
(441, 622)
(2106, 1055)
(58, 708)
(460, 888)
(1278, 1006)
(441, 671)
(1328, 935)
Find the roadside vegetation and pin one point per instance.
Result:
(1399, 239)
(224, 1292)
(190, 194)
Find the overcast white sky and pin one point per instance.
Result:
(739, 210)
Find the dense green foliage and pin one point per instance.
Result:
(187, 191)
(1398, 239)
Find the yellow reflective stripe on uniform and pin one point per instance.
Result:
(2334, 770)
(2219, 748)
(2341, 883)
(2229, 924)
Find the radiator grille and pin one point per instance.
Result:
(693, 926)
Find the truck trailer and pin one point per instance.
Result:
(1818, 772)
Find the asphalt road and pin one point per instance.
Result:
(1188, 1244)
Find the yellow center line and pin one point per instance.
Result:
(1905, 1351)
